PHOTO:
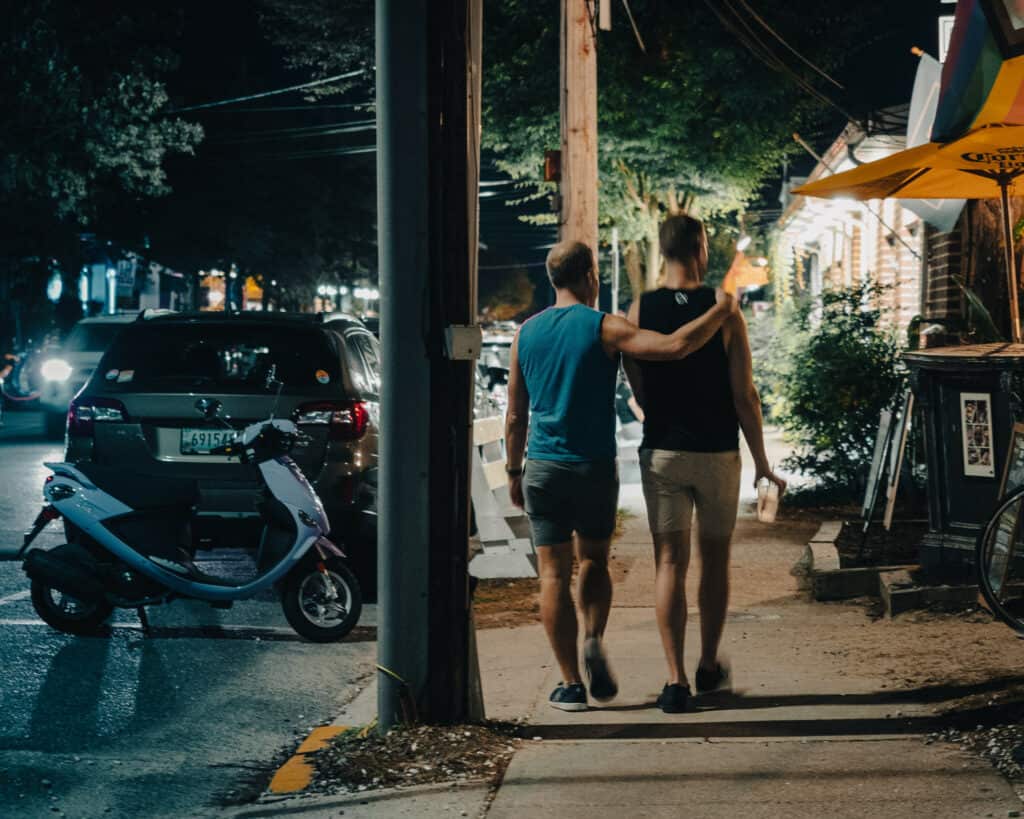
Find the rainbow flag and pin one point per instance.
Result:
(969, 76)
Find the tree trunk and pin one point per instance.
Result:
(653, 253)
(634, 269)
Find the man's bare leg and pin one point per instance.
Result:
(595, 594)
(713, 597)
(672, 557)
(594, 584)
(557, 611)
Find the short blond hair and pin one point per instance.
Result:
(568, 264)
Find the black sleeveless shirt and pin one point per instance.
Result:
(688, 403)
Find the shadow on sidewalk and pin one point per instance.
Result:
(735, 700)
(928, 694)
(846, 726)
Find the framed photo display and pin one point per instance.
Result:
(976, 426)
(1013, 472)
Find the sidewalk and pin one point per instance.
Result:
(804, 735)
(829, 717)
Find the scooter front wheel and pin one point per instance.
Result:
(66, 613)
(322, 602)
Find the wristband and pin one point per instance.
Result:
(513, 473)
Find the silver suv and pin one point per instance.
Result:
(140, 411)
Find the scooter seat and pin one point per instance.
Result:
(141, 490)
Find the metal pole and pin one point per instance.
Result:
(1011, 262)
(403, 257)
(615, 270)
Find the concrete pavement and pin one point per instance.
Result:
(124, 726)
(803, 735)
(806, 733)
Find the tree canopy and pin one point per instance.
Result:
(692, 119)
(85, 110)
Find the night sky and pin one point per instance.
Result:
(225, 52)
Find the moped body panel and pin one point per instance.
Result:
(87, 507)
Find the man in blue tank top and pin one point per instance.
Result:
(689, 457)
(563, 370)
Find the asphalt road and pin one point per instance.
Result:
(173, 725)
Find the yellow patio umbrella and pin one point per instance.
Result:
(982, 164)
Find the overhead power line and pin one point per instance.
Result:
(735, 23)
(289, 89)
(792, 50)
(313, 106)
(299, 132)
(320, 153)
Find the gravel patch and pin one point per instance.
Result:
(1001, 745)
(362, 760)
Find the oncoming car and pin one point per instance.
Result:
(65, 369)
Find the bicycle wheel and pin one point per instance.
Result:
(999, 560)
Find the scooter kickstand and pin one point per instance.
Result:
(144, 620)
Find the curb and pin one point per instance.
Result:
(296, 773)
(431, 801)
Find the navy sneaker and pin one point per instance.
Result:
(569, 697)
(602, 684)
(674, 698)
(713, 679)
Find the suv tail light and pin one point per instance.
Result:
(85, 411)
(347, 420)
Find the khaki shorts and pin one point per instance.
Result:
(677, 482)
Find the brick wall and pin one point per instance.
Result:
(944, 261)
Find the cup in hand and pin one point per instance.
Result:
(767, 500)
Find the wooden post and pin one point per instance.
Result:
(453, 117)
(427, 112)
(579, 123)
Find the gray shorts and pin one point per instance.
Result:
(563, 497)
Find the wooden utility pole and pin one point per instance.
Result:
(579, 122)
(453, 121)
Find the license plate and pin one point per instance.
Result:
(198, 441)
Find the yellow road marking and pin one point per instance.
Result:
(296, 774)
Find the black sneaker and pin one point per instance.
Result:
(673, 698)
(569, 697)
(713, 679)
(602, 684)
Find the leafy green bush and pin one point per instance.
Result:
(774, 339)
(842, 370)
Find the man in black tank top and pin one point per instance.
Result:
(694, 409)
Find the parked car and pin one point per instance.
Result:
(65, 369)
(139, 410)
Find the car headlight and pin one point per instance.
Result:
(56, 369)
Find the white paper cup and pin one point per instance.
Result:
(767, 500)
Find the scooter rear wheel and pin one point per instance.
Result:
(66, 613)
(308, 606)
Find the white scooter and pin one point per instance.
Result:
(135, 545)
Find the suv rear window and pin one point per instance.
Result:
(92, 337)
(233, 357)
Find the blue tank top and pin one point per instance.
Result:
(571, 382)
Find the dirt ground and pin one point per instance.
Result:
(964, 650)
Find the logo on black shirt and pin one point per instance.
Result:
(682, 298)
